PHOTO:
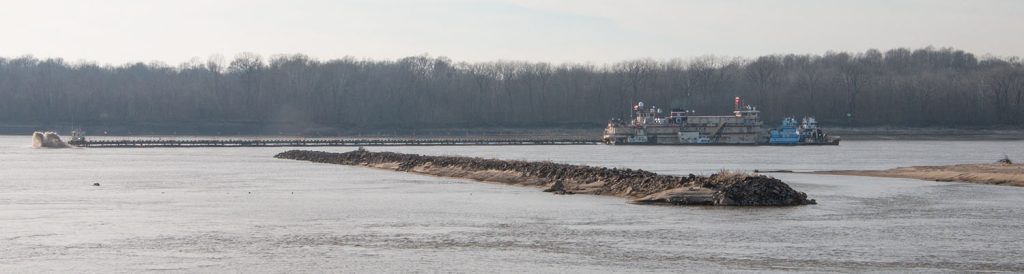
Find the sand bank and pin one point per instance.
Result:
(995, 174)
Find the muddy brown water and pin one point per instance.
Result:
(219, 209)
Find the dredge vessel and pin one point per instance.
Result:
(647, 126)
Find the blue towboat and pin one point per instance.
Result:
(806, 133)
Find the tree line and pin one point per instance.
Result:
(897, 87)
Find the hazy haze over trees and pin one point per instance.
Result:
(898, 87)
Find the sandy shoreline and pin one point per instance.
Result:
(993, 174)
(930, 134)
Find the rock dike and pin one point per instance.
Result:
(642, 187)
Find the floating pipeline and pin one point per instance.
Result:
(642, 187)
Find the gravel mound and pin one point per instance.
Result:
(643, 187)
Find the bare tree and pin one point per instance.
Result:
(921, 87)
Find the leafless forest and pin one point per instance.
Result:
(898, 87)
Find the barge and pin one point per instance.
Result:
(647, 126)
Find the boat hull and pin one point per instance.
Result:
(835, 143)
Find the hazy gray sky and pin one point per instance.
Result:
(596, 31)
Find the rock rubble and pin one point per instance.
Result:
(643, 187)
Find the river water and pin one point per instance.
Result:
(239, 209)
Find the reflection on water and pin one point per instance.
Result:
(239, 209)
